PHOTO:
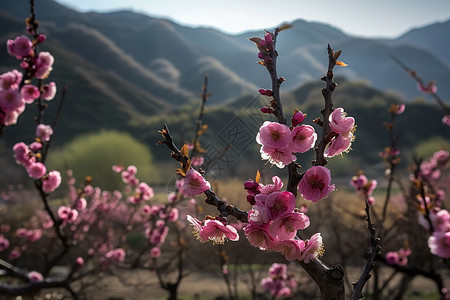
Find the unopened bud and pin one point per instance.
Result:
(267, 110)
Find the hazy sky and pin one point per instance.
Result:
(374, 18)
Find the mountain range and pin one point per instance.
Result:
(122, 67)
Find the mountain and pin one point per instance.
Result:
(434, 38)
(168, 61)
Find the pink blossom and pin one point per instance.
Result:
(41, 38)
(21, 232)
(44, 132)
(270, 188)
(23, 155)
(10, 80)
(339, 144)
(29, 93)
(198, 228)
(34, 235)
(173, 215)
(399, 108)
(297, 118)
(446, 120)
(217, 232)
(172, 197)
(315, 184)
(155, 252)
(440, 220)
(258, 236)
(194, 183)
(51, 182)
(278, 157)
(34, 276)
(279, 203)
(225, 270)
(79, 261)
(116, 255)
(117, 168)
(303, 138)
(429, 88)
(81, 204)
(145, 191)
(49, 91)
(44, 63)
(4, 243)
(339, 122)
(20, 47)
(278, 270)
(273, 135)
(291, 249)
(313, 248)
(285, 227)
(35, 147)
(258, 215)
(399, 257)
(67, 214)
(5, 228)
(36, 170)
(14, 254)
(439, 244)
(391, 258)
(10, 100)
(197, 161)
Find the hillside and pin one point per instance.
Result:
(133, 45)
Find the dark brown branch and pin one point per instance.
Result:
(327, 94)
(374, 250)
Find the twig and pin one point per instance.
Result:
(413, 271)
(419, 80)
(205, 97)
(374, 250)
(55, 122)
(224, 208)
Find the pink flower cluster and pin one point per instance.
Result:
(274, 221)
(279, 283)
(14, 94)
(364, 187)
(399, 257)
(279, 142)
(213, 229)
(431, 169)
(28, 156)
(343, 128)
(439, 241)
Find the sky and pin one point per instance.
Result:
(379, 18)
